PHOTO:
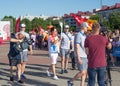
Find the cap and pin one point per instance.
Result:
(66, 26)
(85, 24)
(22, 25)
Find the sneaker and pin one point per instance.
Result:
(20, 81)
(66, 71)
(11, 78)
(48, 73)
(23, 76)
(62, 71)
(70, 83)
(55, 78)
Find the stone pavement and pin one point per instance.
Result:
(36, 71)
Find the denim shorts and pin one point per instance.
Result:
(84, 64)
(65, 53)
(24, 56)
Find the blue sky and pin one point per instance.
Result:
(17, 8)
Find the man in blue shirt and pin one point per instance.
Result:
(80, 54)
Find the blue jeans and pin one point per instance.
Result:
(100, 76)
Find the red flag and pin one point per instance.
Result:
(17, 28)
(78, 19)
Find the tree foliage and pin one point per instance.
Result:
(27, 23)
(114, 20)
(95, 17)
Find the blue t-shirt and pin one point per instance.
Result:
(80, 39)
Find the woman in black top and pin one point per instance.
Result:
(14, 56)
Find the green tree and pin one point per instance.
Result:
(95, 17)
(56, 24)
(114, 20)
(35, 22)
(42, 23)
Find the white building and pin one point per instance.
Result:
(68, 19)
(32, 17)
(107, 10)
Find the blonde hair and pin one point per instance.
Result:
(96, 26)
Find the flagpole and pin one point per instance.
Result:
(101, 13)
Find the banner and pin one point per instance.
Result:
(17, 27)
(4, 31)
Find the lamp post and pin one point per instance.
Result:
(61, 25)
(101, 12)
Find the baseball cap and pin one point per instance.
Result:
(66, 26)
(85, 24)
(22, 25)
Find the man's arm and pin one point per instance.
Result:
(87, 51)
(30, 47)
(15, 40)
(78, 53)
(109, 45)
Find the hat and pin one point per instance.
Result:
(22, 25)
(67, 26)
(85, 24)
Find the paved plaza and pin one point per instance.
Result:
(36, 71)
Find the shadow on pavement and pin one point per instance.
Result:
(38, 83)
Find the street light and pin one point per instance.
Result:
(61, 25)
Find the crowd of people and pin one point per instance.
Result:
(87, 51)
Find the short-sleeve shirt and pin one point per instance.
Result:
(80, 39)
(96, 45)
(65, 41)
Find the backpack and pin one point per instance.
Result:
(17, 47)
(20, 46)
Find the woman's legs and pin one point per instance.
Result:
(53, 69)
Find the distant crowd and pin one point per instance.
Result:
(87, 49)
